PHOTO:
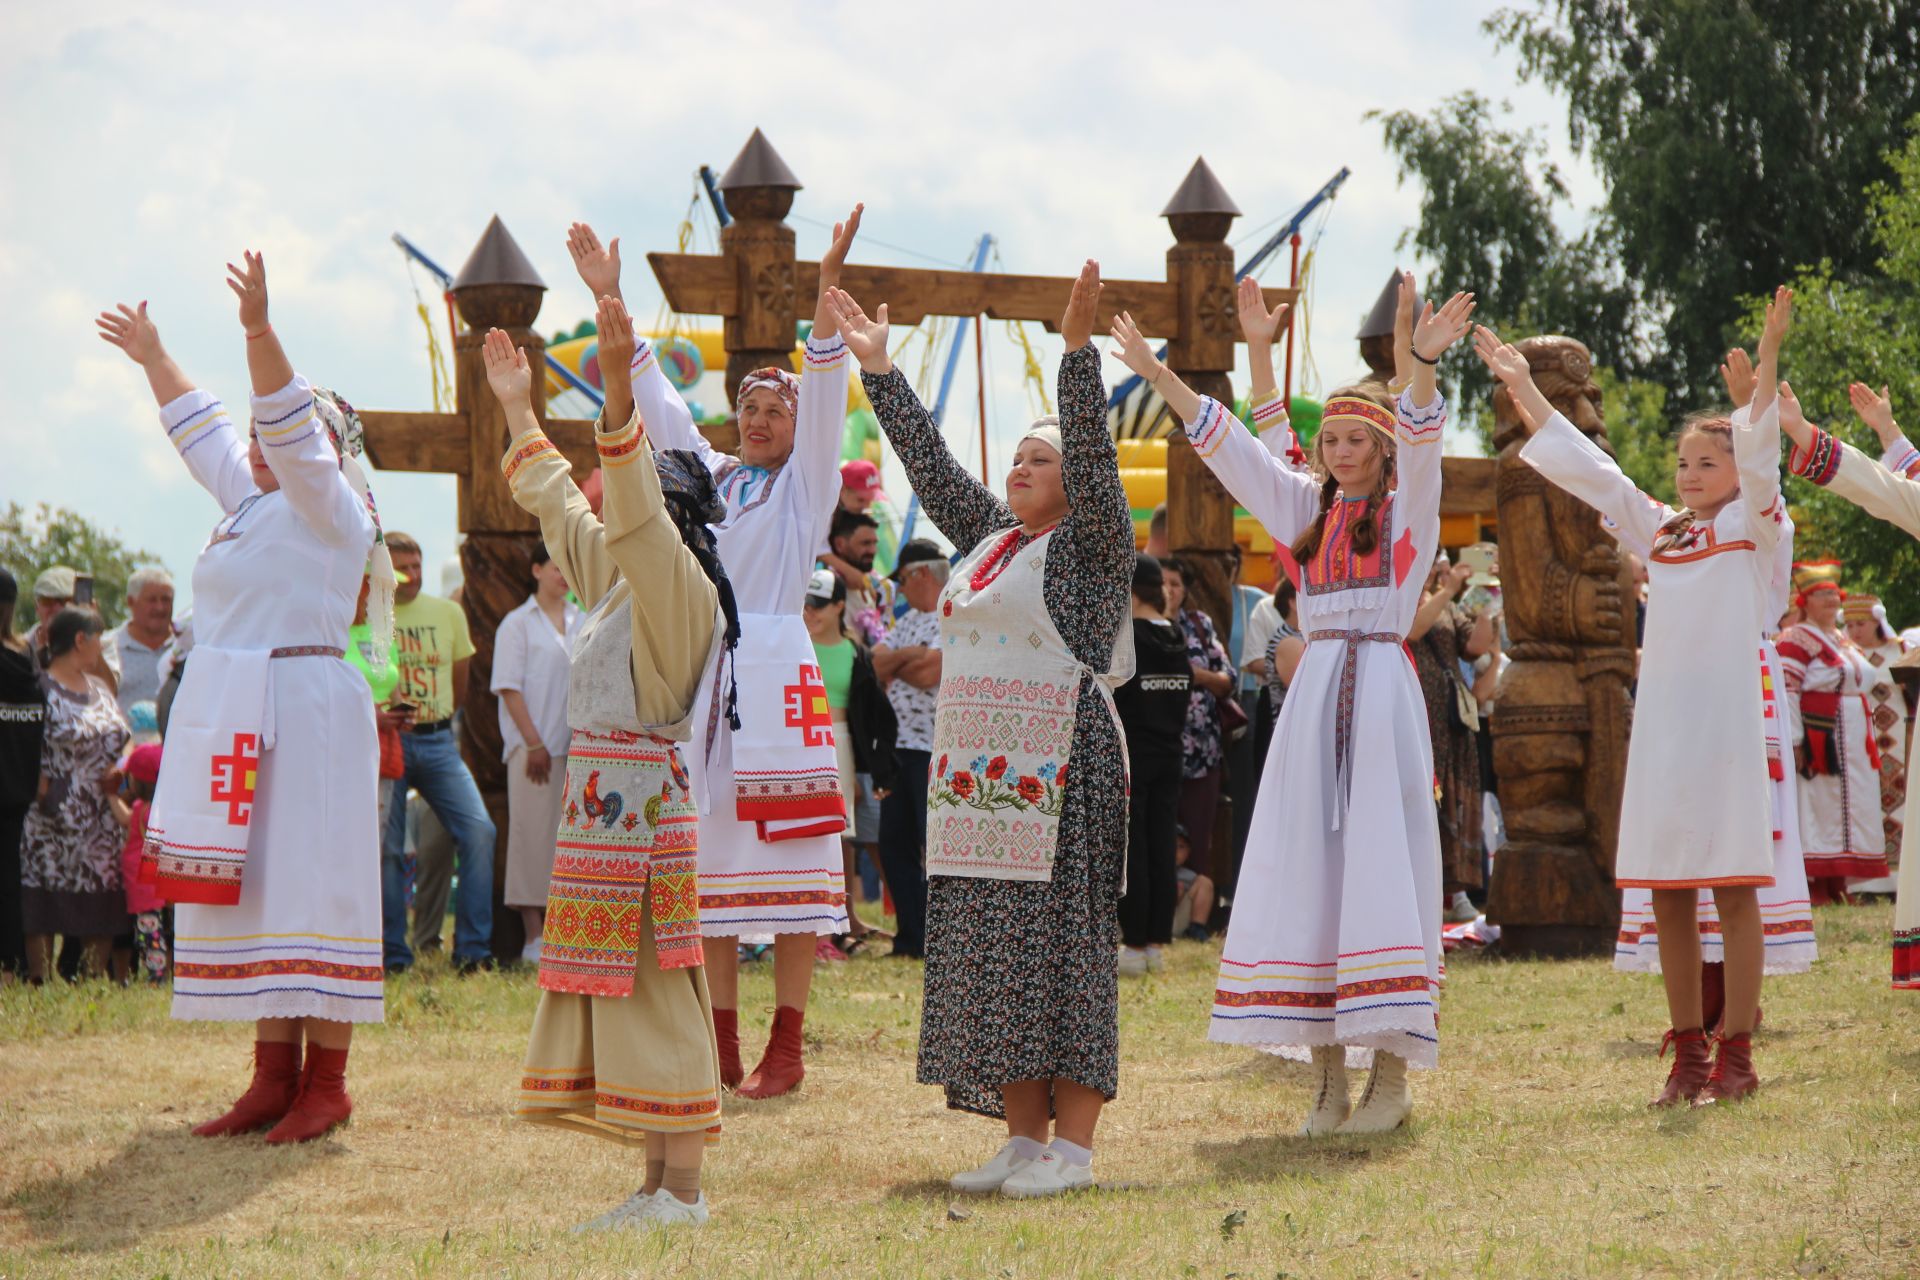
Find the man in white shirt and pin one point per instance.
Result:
(139, 648)
(907, 661)
(532, 653)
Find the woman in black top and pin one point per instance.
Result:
(1153, 708)
(22, 716)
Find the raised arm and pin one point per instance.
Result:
(293, 438)
(1281, 498)
(196, 422)
(1773, 332)
(1097, 508)
(1420, 413)
(1826, 461)
(1756, 452)
(1260, 327)
(962, 508)
(541, 481)
(821, 420)
(1875, 408)
(1563, 455)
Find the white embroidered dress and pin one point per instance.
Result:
(776, 520)
(1697, 812)
(283, 570)
(1335, 936)
(1840, 814)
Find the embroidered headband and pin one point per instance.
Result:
(780, 381)
(1355, 409)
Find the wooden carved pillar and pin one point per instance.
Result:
(759, 191)
(1200, 268)
(497, 289)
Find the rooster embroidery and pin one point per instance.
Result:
(680, 778)
(604, 808)
(655, 804)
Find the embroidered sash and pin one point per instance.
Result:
(785, 771)
(628, 828)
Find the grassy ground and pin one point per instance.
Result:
(1531, 1153)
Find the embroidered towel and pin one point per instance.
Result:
(196, 845)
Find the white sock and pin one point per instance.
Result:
(1460, 898)
(1027, 1148)
(1073, 1153)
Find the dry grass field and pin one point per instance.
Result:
(1531, 1153)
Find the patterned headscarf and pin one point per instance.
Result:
(349, 441)
(694, 505)
(782, 381)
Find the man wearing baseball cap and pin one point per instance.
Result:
(859, 485)
(907, 661)
(53, 591)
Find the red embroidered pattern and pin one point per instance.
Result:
(233, 778)
(807, 708)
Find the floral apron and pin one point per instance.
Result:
(1009, 696)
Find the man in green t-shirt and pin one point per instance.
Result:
(431, 647)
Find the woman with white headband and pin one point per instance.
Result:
(1333, 952)
(263, 827)
(1024, 866)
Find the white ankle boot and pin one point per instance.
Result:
(1387, 1102)
(1330, 1103)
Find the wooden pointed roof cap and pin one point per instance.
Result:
(758, 165)
(1201, 192)
(1379, 322)
(497, 259)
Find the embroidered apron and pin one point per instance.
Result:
(628, 825)
(1003, 727)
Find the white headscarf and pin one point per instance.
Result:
(1047, 431)
(343, 427)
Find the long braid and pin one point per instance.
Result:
(1366, 532)
(1308, 543)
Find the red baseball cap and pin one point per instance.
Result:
(862, 477)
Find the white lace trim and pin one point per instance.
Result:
(1387, 1030)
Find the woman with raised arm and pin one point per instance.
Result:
(768, 788)
(1889, 490)
(1027, 822)
(263, 824)
(1786, 913)
(1334, 948)
(623, 1045)
(1697, 812)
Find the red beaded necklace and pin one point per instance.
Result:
(1001, 556)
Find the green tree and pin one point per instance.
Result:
(1487, 223)
(30, 544)
(1737, 142)
(1866, 329)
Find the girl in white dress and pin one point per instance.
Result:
(1334, 945)
(1697, 813)
(263, 824)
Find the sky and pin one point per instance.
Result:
(148, 145)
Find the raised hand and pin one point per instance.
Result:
(867, 338)
(133, 333)
(1130, 346)
(1737, 372)
(1502, 359)
(836, 255)
(1773, 332)
(1258, 325)
(1874, 409)
(507, 370)
(1793, 420)
(1404, 297)
(599, 266)
(615, 340)
(1435, 331)
(249, 284)
(1076, 323)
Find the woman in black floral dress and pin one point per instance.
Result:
(1021, 1014)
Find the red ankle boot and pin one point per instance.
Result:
(726, 1033)
(1691, 1066)
(1713, 993)
(780, 1069)
(276, 1082)
(1732, 1077)
(323, 1101)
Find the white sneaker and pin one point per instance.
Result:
(1050, 1175)
(638, 1205)
(1461, 909)
(669, 1210)
(989, 1176)
(1155, 960)
(530, 954)
(1133, 962)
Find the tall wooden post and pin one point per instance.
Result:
(759, 191)
(497, 288)
(1200, 268)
